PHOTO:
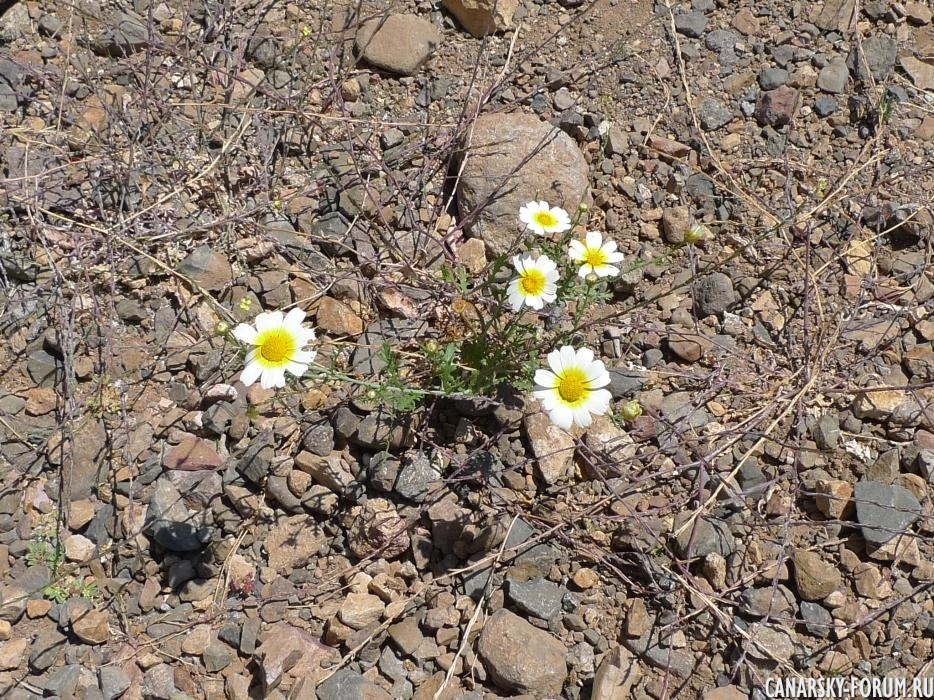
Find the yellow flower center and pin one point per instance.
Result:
(532, 282)
(276, 346)
(545, 219)
(595, 257)
(572, 385)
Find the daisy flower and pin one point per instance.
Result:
(536, 284)
(570, 391)
(277, 341)
(595, 256)
(543, 219)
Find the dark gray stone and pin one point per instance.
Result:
(537, 597)
(825, 106)
(319, 439)
(349, 684)
(826, 431)
(63, 680)
(383, 471)
(218, 416)
(714, 295)
(679, 661)
(625, 382)
(248, 634)
(817, 619)
(255, 462)
(171, 523)
(417, 478)
(704, 536)
(884, 511)
(771, 78)
(216, 657)
(877, 57)
(44, 369)
(159, 682)
(8, 99)
(720, 40)
(125, 34)
(46, 649)
(691, 24)
(713, 114)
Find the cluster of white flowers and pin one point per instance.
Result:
(570, 389)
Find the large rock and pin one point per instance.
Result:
(816, 579)
(293, 652)
(505, 644)
(482, 17)
(293, 542)
(171, 523)
(497, 179)
(884, 511)
(397, 43)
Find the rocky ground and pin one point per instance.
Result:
(166, 532)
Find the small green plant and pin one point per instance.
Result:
(42, 551)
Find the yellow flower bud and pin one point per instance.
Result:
(696, 233)
(222, 328)
(631, 410)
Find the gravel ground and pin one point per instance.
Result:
(167, 169)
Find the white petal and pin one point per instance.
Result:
(615, 257)
(554, 361)
(598, 402)
(272, 378)
(268, 319)
(562, 416)
(552, 276)
(251, 373)
(584, 357)
(534, 302)
(582, 416)
(585, 270)
(594, 239)
(296, 368)
(596, 374)
(576, 250)
(515, 300)
(549, 294)
(609, 247)
(568, 357)
(304, 356)
(545, 378)
(542, 205)
(518, 264)
(606, 270)
(294, 319)
(245, 333)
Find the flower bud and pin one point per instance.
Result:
(696, 233)
(631, 410)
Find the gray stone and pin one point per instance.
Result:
(771, 78)
(397, 43)
(713, 114)
(349, 684)
(714, 295)
(834, 77)
(256, 461)
(63, 680)
(125, 34)
(884, 511)
(8, 99)
(319, 439)
(662, 656)
(383, 471)
(217, 418)
(114, 681)
(825, 106)
(417, 478)
(777, 107)
(702, 537)
(216, 657)
(691, 24)
(159, 682)
(248, 634)
(44, 369)
(171, 523)
(826, 431)
(625, 382)
(721, 40)
(877, 57)
(817, 619)
(537, 597)
(510, 160)
(46, 649)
